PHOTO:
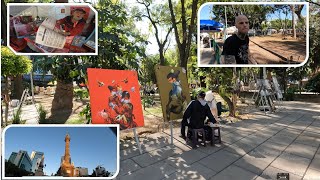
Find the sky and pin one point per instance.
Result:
(89, 146)
(206, 13)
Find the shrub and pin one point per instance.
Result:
(17, 117)
(42, 115)
(289, 96)
(81, 93)
(313, 84)
(86, 112)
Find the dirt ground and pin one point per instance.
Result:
(272, 49)
(267, 50)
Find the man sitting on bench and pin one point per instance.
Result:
(196, 113)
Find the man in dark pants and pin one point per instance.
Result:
(196, 113)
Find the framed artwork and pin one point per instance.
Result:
(115, 98)
(174, 91)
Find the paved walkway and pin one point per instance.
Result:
(285, 141)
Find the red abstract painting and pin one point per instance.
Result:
(115, 98)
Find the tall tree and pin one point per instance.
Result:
(293, 22)
(3, 23)
(157, 14)
(63, 97)
(120, 47)
(255, 13)
(184, 39)
(314, 55)
(11, 66)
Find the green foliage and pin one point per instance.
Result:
(171, 57)
(314, 33)
(86, 112)
(13, 65)
(313, 84)
(255, 13)
(120, 44)
(62, 67)
(148, 101)
(146, 72)
(42, 115)
(81, 93)
(17, 117)
(195, 92)
(289, 96)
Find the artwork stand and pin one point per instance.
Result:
(265, 95)
(171, 131)
(137, 139)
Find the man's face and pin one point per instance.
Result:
(242, 24)
(77, 15)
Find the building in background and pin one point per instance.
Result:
(21, 160)
(81, 172)
(36, 158)
(13, 157)
(67, 168)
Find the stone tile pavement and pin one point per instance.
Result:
(285, 141)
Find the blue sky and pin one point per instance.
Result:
(89, 147)
(206, 13)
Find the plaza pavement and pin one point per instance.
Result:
(259, 148)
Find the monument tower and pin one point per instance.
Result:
(66, 166)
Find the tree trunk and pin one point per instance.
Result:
(63, 97)
(300, 85)
(184, 40)
(293, 24)
(161, 52)
(235, 92)
(6, 100)
(183, 59)
(284, 76)
(3, 23)
(18, 88)
(232, 109)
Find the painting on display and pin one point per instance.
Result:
(115, 98)
(174, 91)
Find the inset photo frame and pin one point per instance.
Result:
(52, 29)
(60, 152)
(253, 34)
